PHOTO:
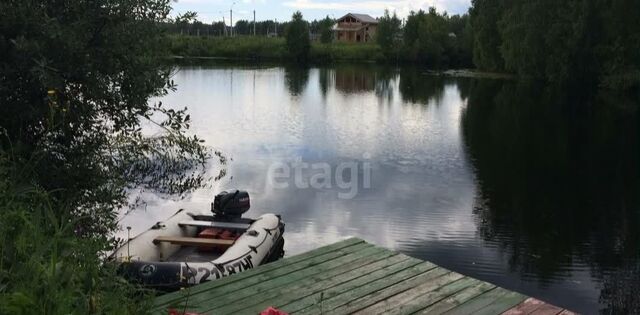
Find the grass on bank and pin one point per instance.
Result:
(268, 48)
(46, 267)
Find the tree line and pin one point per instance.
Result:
(597, 41)
(427, 37)
(431, 38)
(585, 41)
(241, 27)
(593, 42)
(188, 24)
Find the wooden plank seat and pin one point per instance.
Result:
(192, 241)
(213, 224)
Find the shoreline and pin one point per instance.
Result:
(457, 73)
(471, 73)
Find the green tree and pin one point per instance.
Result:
(434, 40)
(427, 38)
(387, 34)
(183, 22)
(297, 37)
(461, 53)
(242, 27)
(412, 28)
(326, 33)
(485, 15)
(76, 97)
(465, 44)
(523, 48)
(619, 47)
(76, 78)
(564, 42)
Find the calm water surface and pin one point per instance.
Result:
(503, 181)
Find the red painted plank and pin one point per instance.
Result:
(534, 306)
(547, 309)
(527, 306)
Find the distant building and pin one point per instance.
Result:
(355, 28)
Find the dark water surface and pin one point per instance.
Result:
(503, 181)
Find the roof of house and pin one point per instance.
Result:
(364, 18)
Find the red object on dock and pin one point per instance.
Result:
(273, 311)
(173, 311)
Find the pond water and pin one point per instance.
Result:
(507, 182)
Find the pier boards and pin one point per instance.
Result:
(351, 276)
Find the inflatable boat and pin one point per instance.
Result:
(188, 249)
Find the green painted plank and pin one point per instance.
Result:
(226, 303)
(437, 295)
(308, 301)
(421, 296)
(407, 262)
(303, 290)
(369, 288)
(480, 301)
(237, 291)
(310, 285)
(422, 283)
(506, 302)
(189, 295)
(293, 262)
(163, 299)
(458, 298)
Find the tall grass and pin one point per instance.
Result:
(241, 47)
(260, 47)
(46, 266)
(352, 52)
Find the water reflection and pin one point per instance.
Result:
(324, 77)
(296, 78)
(416, 87)
(558, 184)
(353, 79)
(504, 182)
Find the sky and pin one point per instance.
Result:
(213, 10)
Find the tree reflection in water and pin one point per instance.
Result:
(296, 78)
(558, 181)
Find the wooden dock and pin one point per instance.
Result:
(348, 277)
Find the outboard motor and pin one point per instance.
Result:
(231, 204)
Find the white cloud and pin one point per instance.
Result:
(401, 7)
(212, 10)
(187, 2)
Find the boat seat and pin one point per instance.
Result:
(192, 241)
(213, 224)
